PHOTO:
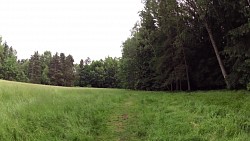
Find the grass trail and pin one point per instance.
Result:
(42, 113)
(121, 118)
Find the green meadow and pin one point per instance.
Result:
(31, 112)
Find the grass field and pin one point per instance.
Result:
(35, 112)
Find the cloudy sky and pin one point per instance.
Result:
(82, 28)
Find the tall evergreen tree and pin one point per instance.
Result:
(45, 63)
(35, 68)
(69, 71)
(63, 66)
(55, 71)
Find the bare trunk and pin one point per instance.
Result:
(186, 68)
(175, 79)
(180, 86)
(177, 84)
(217, 54)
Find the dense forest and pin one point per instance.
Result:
(176, 45)
(189, 44)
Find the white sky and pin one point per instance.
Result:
(82, 28)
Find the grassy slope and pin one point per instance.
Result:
(34, 112)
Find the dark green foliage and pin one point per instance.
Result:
(58, 70)
(102, 73)
(62, 68)
(23, 70)
(80, 72)
(35, 69)
(128, 64)
(45, 63)
(39, 69)
(237, 49)
(9, 67)
(183, 45)
(55, 71)
(111, 70)
(69, 71)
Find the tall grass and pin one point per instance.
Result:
(200, 116)
(35, 112)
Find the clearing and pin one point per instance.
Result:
(36, 112)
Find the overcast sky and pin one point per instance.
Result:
(82, 28)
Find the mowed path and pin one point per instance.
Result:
(121, 119)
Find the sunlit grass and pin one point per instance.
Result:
(35, 112)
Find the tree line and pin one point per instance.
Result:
(176, 45)
(189, 45)
(58, 69)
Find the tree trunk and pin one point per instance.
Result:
(217, 54)
(180, 86)
(177, 85)
(186, 68)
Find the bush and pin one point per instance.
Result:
(248, 86)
